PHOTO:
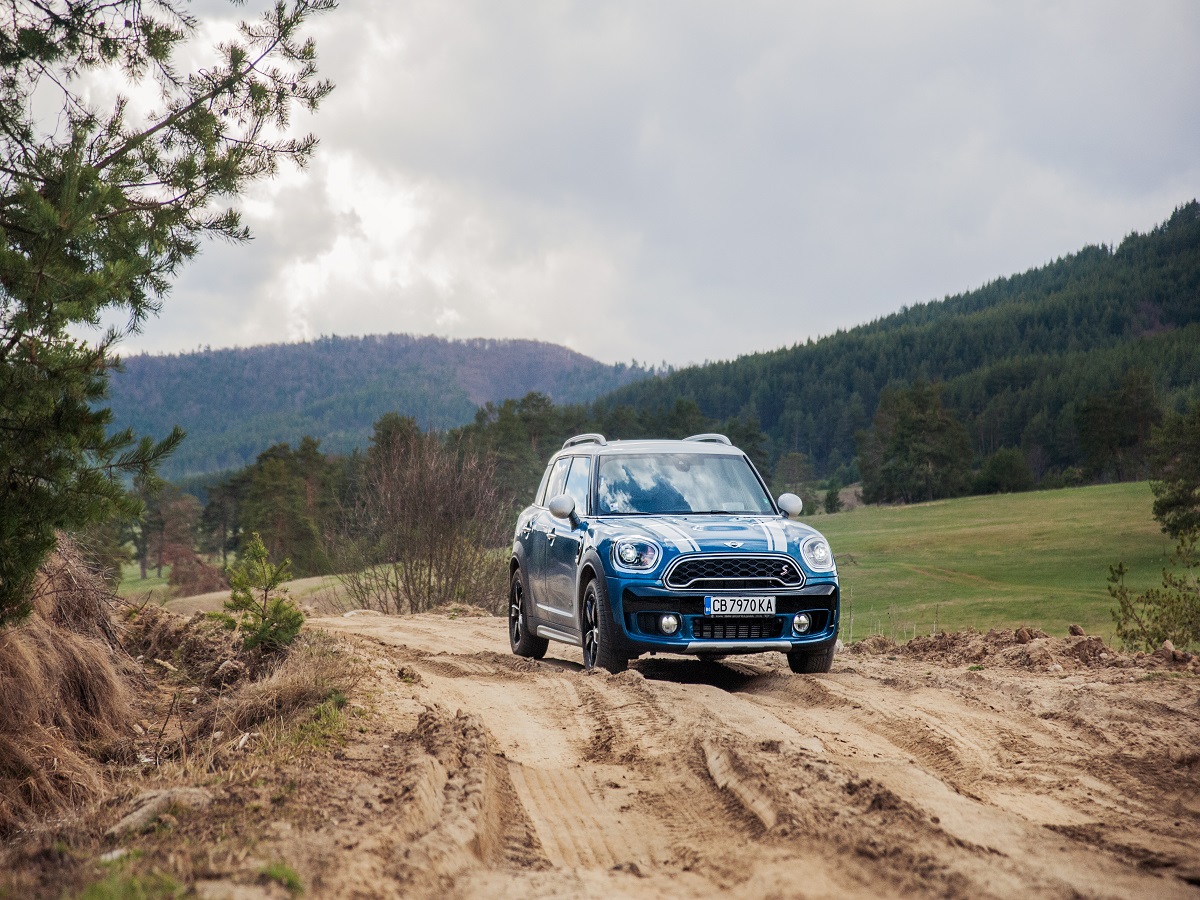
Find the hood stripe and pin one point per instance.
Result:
(778, 536)
(668, 534)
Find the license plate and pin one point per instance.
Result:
(739, 606)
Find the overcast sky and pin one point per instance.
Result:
(681, 181)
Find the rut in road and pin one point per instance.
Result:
(682, 778)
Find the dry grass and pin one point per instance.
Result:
(86, 725)
(317, 667)
(64, 699)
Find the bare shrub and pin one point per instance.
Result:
(426, 529)
(63, 702)
(191, 575)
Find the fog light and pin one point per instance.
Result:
(801, 623)
(668, 624)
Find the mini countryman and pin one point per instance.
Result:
(635, 547)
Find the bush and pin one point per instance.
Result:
(1170, 613)
(1004, 472)
(428, 528)
(258, 604)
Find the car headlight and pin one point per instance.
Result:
(817, 554)
(636, 554)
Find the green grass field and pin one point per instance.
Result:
(134, 587)
(1002, 561)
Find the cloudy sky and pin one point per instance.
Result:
(681, 181)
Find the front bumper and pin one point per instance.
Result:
(637, 606)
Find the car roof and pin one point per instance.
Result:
(617, 448)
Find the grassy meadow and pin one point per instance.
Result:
(1000, 561)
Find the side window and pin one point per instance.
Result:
(579, 483)
(558, 478)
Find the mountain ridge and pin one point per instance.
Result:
(236, 402)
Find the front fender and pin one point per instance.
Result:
(590, 566)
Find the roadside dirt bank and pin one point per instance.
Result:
(993, 765)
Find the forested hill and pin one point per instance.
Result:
(236, 403)
(1016, 358)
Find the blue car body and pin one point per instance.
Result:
(690, 566)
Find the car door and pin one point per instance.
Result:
(541, 536)
(564, 542)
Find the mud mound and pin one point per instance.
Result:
(1024, 648)
(874, 645)
(200, 647)
(64, 705)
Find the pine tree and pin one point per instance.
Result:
(258, 603)
(97, 213)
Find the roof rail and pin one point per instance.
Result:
(585, 439)
(710, 438)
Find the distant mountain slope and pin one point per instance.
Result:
(236, 403)
(1016, 358)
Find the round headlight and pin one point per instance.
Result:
(639, 554)
(817, 554)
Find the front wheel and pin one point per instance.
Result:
(811, 662)
(520, 638)
(603, 645)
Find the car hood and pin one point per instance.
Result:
(698, 534)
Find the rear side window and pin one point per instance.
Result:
(558, 478)
(579, 483)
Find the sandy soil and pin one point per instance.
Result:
(961, 766)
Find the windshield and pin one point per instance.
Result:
(677, 483)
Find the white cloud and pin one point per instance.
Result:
(685, 180)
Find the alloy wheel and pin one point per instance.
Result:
(516, 613)
(591, 629)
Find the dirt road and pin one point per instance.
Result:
(965, 767)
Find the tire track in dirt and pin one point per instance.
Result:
(681, 778)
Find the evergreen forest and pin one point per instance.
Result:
(235, 403)
(1017, 362)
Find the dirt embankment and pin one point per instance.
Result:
(996, 765)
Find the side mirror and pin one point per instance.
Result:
(790, 504)
(563, 507)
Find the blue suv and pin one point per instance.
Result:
(635, 547)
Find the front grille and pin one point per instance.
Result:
(722, 629)
(726, 572)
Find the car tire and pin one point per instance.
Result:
(810, 662)
(520, 638)
(603, 644)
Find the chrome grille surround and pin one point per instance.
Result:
(734, 572)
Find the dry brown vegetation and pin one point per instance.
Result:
(65, 701)
(153, 714)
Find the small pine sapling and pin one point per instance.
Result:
(258, 604)
(1170, 613)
